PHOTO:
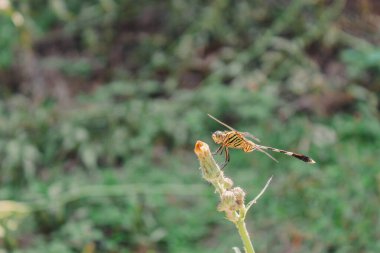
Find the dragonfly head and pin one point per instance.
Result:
(218, 137)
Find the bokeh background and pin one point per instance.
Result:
(102, 101)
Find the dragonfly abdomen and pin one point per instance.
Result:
(301, 157)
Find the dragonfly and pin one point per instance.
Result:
(242, 140)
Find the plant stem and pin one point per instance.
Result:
(240, 224)
(232, 199)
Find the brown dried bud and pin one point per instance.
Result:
(239, 195)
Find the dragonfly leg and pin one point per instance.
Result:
(218, 150)
(227, 155)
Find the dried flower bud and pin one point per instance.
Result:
(239, 195)
(210, 169)
(228, 201)
(228, 183)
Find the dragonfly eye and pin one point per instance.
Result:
(218, 137)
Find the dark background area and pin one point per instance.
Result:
(101, 103)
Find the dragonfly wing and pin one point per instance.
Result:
(246, 134)
(263, 151)
(224, 124)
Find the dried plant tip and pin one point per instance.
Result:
(200, 148)
(210, 169)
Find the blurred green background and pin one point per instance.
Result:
(102, 101)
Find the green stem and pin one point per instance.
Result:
(244, 236)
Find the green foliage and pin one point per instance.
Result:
(363, 64)
(93, 136)
(118, 128)
(113, 170)
(8, 37)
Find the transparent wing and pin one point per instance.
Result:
(224, 124)
(263, 151)
(246, 134)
